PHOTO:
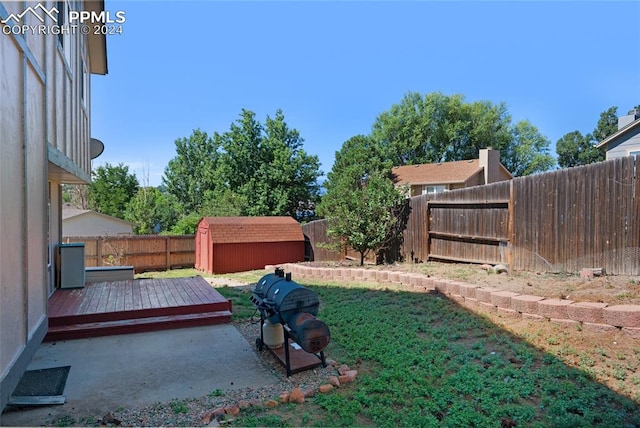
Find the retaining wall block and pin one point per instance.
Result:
(468, 290)
(426, 283)
(622, 315)
(345, 273)
(554, 308)
(357, 273)
(525, 303)
(591, 312)
(502, 299)
(382, 276)
(415, 278)
(405, 278)
(483, 294)
(487, 307)
(440, 285)
(456, 299)
(453, 287)
(394, 277)
(369, 274)
(471, 303)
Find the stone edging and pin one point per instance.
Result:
(590, 316)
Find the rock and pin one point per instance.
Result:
(255, 403)
(486, 267)
(343, 369)
(232, 410)
(284, 397)
(297, 396)
(309, 392)
(109, 419)
(333, 380)
(501, 268)
(207, 417)
(351, 374)
(244, 404)
(271, 403)
(323, 389)
(331, 362)
(343, 379)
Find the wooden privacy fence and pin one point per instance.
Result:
(560, 221)
(144, 253)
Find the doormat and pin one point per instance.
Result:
(43, 382)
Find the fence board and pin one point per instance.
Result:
(561, 221)
(143, 252)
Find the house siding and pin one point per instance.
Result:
(620, 148)
(44, 131)
(90, 224)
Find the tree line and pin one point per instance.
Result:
(261, 168)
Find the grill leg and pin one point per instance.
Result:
(324, 362)
(286, 352)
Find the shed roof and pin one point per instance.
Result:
(227, 230)
(436, 173)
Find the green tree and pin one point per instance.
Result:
(111, 189)
(575, 149)
(191, 173)
(266, 165)
(187, 224)
(528, 152)
(441, 128)
(151, 211)
(361, 204)
(607, 125)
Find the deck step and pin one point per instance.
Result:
(135, 325)
(129, 314)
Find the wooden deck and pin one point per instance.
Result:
(132, 306)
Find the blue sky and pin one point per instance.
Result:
(333, 67)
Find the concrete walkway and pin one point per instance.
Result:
(145, 368)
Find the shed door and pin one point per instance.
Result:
(204, 250)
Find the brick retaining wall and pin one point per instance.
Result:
(590, 315)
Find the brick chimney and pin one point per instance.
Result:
(489, 160)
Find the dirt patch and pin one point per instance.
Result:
(611, 289)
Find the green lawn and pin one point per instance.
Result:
(425, 361)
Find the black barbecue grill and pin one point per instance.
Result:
(283, 301)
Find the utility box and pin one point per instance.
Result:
(72, 274)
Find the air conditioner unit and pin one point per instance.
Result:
(72, 265)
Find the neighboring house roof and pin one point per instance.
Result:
(436, 173)
(68, 213)
(226, 230)
(620, 133)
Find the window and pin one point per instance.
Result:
(64, 37)
(432, 190)
(84, 82)
(634, 152)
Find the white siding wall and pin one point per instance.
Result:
(90, 224)
(44, 135)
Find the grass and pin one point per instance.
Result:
(427, 362)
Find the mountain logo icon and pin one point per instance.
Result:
(39, 11)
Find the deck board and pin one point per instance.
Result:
(135, 305)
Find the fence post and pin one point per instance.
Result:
(428, 228)
(99, 251)
(168, 252)
(511, 228)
